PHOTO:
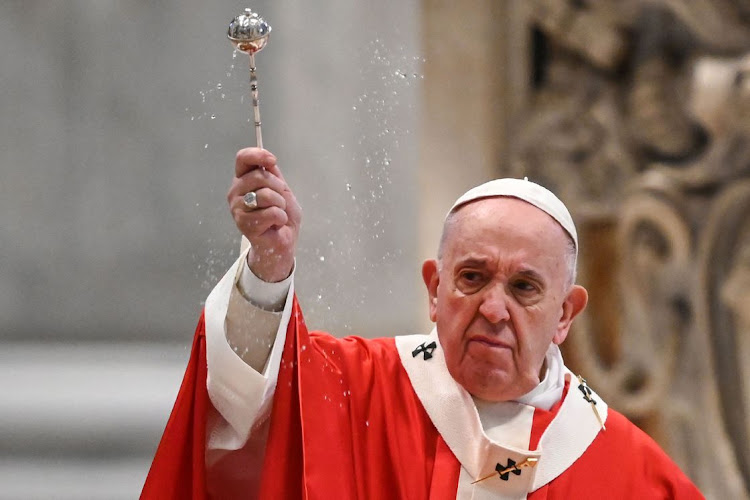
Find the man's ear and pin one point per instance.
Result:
(574, 303)
(431, 279)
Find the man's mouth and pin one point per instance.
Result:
(489, 341)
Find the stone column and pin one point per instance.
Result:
(465, 104)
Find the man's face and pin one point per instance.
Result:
(499, 295)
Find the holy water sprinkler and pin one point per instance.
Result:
(249, 33)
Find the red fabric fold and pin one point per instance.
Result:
(178, 470)
(345, 424)
(338, 429)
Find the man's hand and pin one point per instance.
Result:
(272, 227)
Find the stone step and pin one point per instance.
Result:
(83, 416)
(65, 479)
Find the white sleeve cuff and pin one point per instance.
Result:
(241, 395)
(262, 294)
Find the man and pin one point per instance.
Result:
(483, 407)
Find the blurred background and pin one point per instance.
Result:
(119, 122)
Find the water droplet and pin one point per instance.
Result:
(348, 187)
(304, 347)
(367, 423)
(213, 117)
(354, 108)
(218, 86)
(322, 258)
(205, 146)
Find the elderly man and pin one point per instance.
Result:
(483, 407)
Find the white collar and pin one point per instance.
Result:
(550, 390)
(452, 411)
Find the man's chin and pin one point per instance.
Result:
(493, 397)
(492, 385)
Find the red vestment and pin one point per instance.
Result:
(347, 424)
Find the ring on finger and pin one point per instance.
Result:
(250, 200)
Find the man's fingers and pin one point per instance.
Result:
(249, 159)
(272, 221)
(275, 170)
(256, 179)
(264, 198)
(260, 184)
(259, 221)
(274, 174)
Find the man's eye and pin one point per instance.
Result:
(524, 286)
(470, 281)
(471, 277)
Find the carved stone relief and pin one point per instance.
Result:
(639, 116)
(724, 320)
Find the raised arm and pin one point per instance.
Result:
(272, 227)
(245, 324)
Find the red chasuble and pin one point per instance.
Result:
(346, 423)
(178, 470)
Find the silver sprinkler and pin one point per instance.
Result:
(249, 33)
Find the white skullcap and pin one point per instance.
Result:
(525, 190)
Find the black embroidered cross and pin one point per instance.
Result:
(505, 470)
(426, 349)
(584, 388)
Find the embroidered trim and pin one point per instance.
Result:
(584, 388)
(425, 348)
(505, 470)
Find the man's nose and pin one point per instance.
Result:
(494, 306)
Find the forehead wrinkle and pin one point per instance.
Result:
(472, 260)
(496, 209)
(487, 208)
